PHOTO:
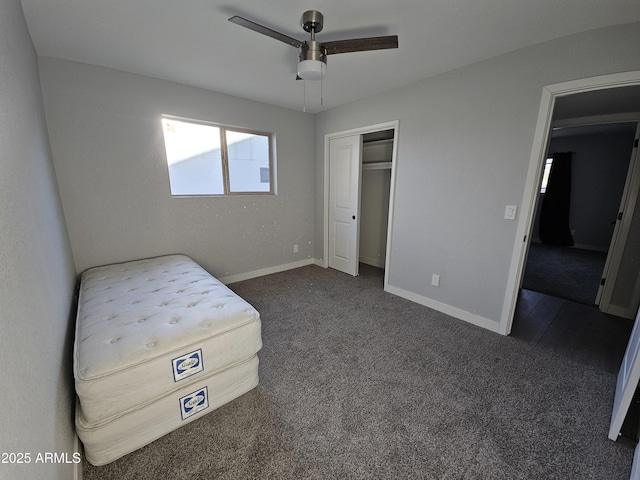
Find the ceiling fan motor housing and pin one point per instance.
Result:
(312, 21)
(313, 50)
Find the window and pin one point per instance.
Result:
(208, 159)
(545, 174)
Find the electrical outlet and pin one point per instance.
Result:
(295, 248)
(435, 280)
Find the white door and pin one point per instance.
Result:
(345, 158)
(620, 294)
(627, 381)
(635, 469)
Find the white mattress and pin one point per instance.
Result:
(106, 441)
(150, 327)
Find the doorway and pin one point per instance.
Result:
(600, 157)
(609, 83)
(367, 236)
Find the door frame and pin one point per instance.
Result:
(541, 140)
(391, 125)
(628, 204)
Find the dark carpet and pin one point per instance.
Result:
(565, 272)
(356, 383)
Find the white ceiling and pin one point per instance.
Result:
(191, 41)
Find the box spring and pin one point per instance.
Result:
(107, 441)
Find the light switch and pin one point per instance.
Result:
(510, 212)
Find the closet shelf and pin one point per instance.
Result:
(378, 142)
(376, 166)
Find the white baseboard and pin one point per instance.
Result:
(595, 248)
(581, 246)
(374, 262)
(266, 271)
(320, 262)
(455, 312)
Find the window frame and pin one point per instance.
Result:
(224, 154)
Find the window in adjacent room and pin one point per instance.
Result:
(209, 159)
(545, 174)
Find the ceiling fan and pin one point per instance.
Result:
(312, 63)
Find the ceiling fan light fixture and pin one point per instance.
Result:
(312, 64)
(312, 69)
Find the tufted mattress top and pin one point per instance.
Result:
(139, 323)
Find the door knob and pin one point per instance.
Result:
(354, 217)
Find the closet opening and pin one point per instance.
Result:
(377, 158)
(359, 190)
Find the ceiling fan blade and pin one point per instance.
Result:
(361, 44)
(256, 27)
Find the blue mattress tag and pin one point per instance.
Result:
(186, 365)
(194, 402)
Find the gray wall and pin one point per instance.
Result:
(464, 143)
(37, 277)
(108, 150)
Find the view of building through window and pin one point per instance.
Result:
(545, 174)
(207, 159)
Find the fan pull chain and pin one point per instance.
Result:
(304, 96)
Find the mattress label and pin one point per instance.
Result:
(194, 402)
(186, 365)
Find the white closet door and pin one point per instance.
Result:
(345, 158)
(628, 378)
